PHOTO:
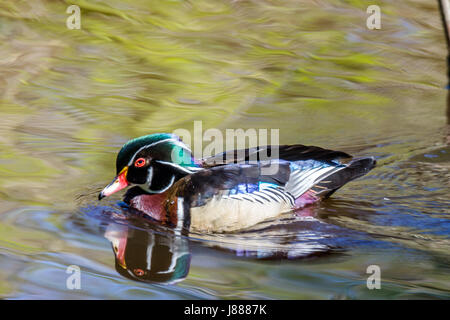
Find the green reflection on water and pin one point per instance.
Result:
(70, 98)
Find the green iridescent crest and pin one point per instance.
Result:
(168, 147)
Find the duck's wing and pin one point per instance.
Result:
(229, 197)
(314, 170)
(296, 152)
(317, 179)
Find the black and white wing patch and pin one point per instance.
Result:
(325, 178)
(265, 196)
(305, 175)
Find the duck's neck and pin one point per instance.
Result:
(151, 205)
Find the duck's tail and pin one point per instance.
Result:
(354, 169)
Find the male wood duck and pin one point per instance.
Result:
(230, 191)
(149, 256)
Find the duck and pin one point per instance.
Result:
(231, 191)
(144, 255)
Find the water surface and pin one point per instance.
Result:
(69, 99)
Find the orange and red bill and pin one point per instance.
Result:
(120, 182)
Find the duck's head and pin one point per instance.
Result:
(153, 163)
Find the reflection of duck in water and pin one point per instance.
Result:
(148, 256)
(230, 191)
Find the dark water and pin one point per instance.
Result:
(70, 98)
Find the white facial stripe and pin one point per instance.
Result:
(175, 166)
(149, 175)
(145, 147)
(146, 187)
(176, 142)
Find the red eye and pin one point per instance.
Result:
(139, 162)
(139, 272)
